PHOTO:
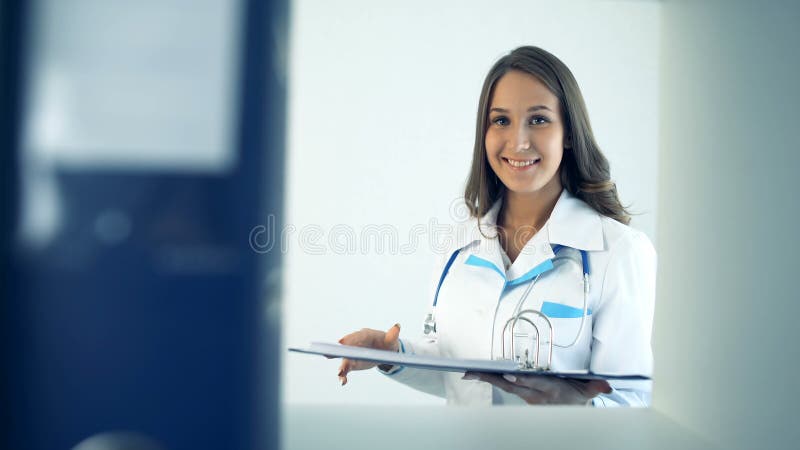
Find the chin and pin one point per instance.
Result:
(524, 189)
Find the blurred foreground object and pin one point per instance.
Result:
(141, 143)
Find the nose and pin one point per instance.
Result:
(523, 142)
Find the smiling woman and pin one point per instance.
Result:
(545, 217)
(524, 148)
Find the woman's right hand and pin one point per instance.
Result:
(372, 339)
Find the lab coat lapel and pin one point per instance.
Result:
(486, 254)
(572, 223)
(534, 259)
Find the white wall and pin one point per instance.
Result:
(382, 104)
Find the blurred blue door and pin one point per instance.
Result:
(142, 142)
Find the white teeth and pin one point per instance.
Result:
(520, 163)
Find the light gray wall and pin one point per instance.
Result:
(725, 337)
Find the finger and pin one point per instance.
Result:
(521, 381)
(596, 387)
(542, 384)
(362, 338)
(391, 336)
(356, 338)
(531, 396)
(349, 339)
(344, 368)
(590, 388)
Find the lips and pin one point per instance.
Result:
(522, 164)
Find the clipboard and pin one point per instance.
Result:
(450, 364)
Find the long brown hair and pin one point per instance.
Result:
(584, 170)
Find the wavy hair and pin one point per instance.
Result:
(584, 169)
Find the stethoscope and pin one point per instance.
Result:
(521, 315)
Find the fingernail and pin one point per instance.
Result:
(510, 377)
(397, 325)
(469, 376)
(340, 340)
(342, 380)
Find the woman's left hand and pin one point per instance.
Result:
(541, 390)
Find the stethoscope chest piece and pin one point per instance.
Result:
(430, 326)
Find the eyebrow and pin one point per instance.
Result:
(531, 109)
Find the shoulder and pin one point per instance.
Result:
(628, 259)
(620, 239)
(626, 269)
(454, 243)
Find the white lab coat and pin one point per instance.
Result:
(617, 329)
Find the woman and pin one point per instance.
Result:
(539, 185)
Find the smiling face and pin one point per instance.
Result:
(525, 138)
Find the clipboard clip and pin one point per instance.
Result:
(526, 344)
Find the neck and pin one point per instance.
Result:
(529, 209)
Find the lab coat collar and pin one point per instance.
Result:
(483, 232)
(575, 224)
(572, 223)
